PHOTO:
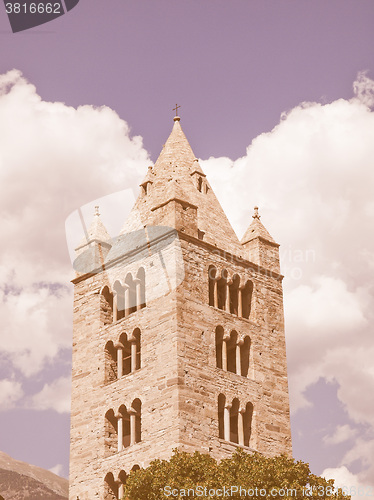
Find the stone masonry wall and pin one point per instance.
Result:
(266, 384)
(178, 382)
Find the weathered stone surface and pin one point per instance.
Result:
(179, 380)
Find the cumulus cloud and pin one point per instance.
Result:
(36, 326)
(343, 478)
(10, 392)
(312, 177)
(53, 159)
(342, 433)
(53, 396)
(363, 453)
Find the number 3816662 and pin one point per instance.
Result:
(33, 8)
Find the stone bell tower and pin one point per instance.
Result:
(178, 333)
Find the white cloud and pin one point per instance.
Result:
(331, 307)
(53, 159)
(10, 392)
(54, 396)
(68, 158)
(342, 433)
(363, 452)
(343, 478)
(36, 326)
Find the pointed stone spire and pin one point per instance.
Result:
(96, 232)
(176, 155)
(260, 246)
(257, 230)
(179, 182)
(93, 248)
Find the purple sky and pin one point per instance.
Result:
(234, 67)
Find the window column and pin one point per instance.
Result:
(120, 490)
(227, 298)
(132, 413)
(224, 352)
(226, 422)
(138, 292)
(132, 341)
(216, 292)
(115, 306)
(120, 431)
(241, 426)
(240, 303)
(127, 301)
(119, 348)
(238, 357)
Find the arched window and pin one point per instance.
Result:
(119, 301)
(124, 438)
(136, 406)
(111, 487)
(140, 299)
(106, 306)
(244, 356)
(234, 295)
(135, 467)
(111, 430)
(247, 423)
(234, 411)
(110, 362)
(212, 272)
(219, 342)
(234, 422)
(221, 416)
(222, 290)
(126, 354)
(247, 299)
(231, 351)
(130, 295)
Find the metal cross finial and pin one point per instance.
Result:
(176, 109)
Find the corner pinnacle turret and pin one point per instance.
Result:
(96, 232)
(260, 246)
(257, 230)
(94, 246)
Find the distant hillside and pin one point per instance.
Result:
(22, 481)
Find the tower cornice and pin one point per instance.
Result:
(186, 237)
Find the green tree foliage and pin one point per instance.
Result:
(200, 476)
